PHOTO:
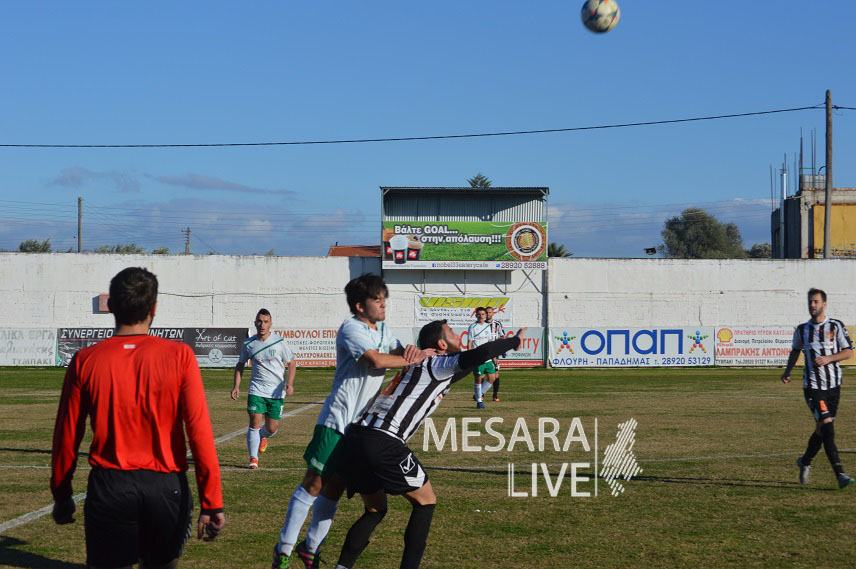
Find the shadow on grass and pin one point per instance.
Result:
(10, 556)
(690, 480)
(699, 481)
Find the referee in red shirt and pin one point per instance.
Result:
(140, 393)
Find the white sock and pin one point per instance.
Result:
(485, 387)
(322, 520)
(253, 440)
(298, 508)
(477, 391)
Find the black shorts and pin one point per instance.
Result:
(136, 515)
(823, 403)
(371, 461)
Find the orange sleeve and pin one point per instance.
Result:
(197, 422)
(68, 433)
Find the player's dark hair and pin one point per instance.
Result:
(431, 334)
(362, 288)
(263, 312)
(813, 291)
(133, 293)
(481, 309)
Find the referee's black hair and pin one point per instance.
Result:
(133, 294)
(813, 291)
(263, 312)
(431, 334)
(362, 288)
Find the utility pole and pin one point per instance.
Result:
(79, 224)
(186, 233)
(784, 173)
(828, 197)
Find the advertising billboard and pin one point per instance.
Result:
(475, 245)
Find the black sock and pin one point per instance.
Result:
(827, 433)
(358, 537)
(814, 444)
(416, 535)
(496, 388)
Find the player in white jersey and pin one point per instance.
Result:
(365, 349)
(374, 458)
(481, 332)
(270, 356)
(498, 331)
(824, 342)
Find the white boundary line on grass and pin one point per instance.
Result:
(78, 498)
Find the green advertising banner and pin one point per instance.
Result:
(464, 245)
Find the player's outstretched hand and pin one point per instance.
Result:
(234, 394)
(786, 378)
(63, 511)
(209, 526)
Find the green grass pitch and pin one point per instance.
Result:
(718, 487)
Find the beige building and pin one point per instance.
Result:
(804, 222)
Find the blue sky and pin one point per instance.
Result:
(275, 71)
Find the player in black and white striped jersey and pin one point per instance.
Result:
(375, 460)
(824, 342)
(497, 331)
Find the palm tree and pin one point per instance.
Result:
(479, 182)
(557, 250)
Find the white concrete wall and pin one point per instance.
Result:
(57, 290)
(650, 292)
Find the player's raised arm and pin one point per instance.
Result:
(474, 357)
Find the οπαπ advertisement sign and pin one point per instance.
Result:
(464, 245)
(675, 346)
(27, 346)
(460, 310)
(753, 345)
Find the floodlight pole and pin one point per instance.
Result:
(828, 192)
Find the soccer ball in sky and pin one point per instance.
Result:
(600, 16)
